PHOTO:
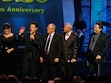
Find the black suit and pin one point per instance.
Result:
(70, 48)
(32, 53)
(100, 48)
(49, 66)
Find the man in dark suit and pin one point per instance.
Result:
(52, 51)
(98, 46)
(33, 43)
(70, 48)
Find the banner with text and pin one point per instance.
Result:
(21, 12)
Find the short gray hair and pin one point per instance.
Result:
(69, 24)
(53, 25)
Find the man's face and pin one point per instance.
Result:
(33, 28)
(50, 29)
(97, 29)
(66, 28)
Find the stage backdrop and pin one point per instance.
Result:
(21, 12)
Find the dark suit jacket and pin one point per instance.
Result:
(70, 47)
(55, 48)
(33, 46)
(101, 46)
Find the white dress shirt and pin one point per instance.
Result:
(67, 35)
(50, 35)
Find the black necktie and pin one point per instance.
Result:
(47, 45)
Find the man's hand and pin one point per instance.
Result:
(32, 37)
(98, 57)
(73, 60)
(9, 50)
(56, 60)
(22, 30)
(41, 59)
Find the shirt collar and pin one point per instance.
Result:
(98, 33)
(69, 33)
(52, 34)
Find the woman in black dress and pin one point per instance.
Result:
(8, 44)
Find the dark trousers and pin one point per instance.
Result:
(94, 65)
(49, 69)
(29, 66)
(67, 70)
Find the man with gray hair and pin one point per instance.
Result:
(70, 48)
(52, 50)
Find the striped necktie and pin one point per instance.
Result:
(93, 42)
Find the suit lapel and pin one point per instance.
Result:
(46, 37)
(99, 38)
(70, 37)
(53, 38)
(63, 36)
(36, 35)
